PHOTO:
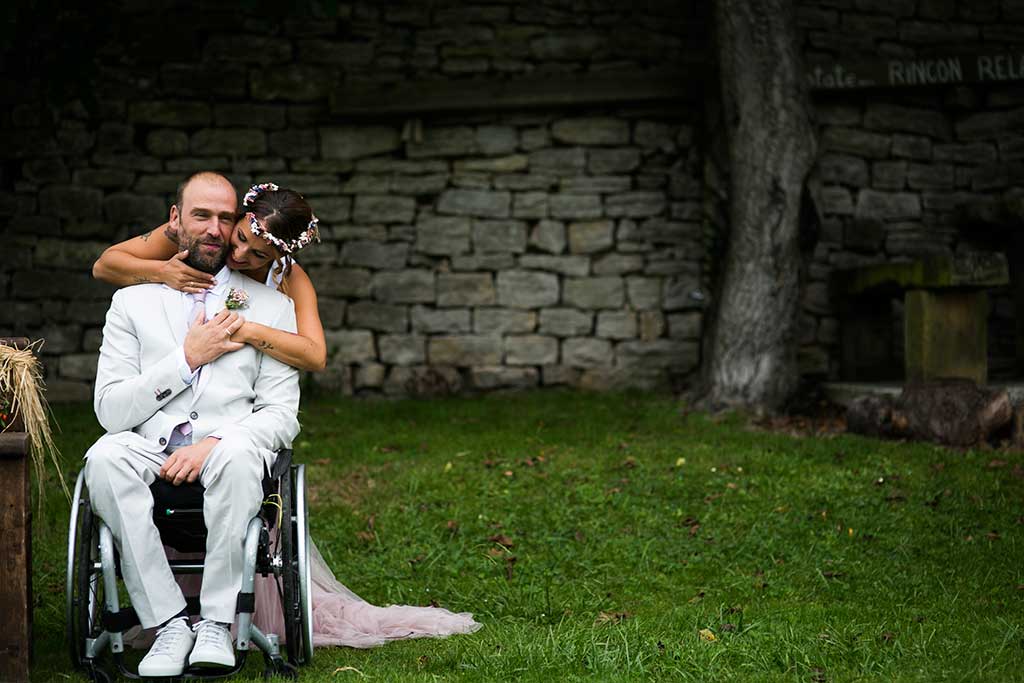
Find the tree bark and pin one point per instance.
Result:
(772, 146)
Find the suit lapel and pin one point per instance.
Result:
(175, 311)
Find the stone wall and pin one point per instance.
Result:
(557, 246)
(481, 249)
(897, 166)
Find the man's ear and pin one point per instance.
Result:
(175, 217)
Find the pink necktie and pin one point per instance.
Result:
(198, 306)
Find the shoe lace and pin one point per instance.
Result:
(167, 637)
(210, 633)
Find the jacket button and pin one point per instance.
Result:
(194, 415)
(163, 441)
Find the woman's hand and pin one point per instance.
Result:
(176, 274)
(206, 342)
(244, 333)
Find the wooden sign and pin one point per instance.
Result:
(988, 67)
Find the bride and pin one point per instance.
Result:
(274, 224)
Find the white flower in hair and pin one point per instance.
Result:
(312, 231)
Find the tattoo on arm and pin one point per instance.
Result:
(139, 279)
(171, 234)
(264, 345)
(145, 238)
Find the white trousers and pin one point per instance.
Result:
(119, 470)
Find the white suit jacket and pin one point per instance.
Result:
(244, 396)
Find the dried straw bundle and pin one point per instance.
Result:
(21, 380)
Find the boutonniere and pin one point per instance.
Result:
(237, 298)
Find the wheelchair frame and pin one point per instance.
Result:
(96, 624)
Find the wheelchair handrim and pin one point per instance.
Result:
(305, 588)
(72, 575)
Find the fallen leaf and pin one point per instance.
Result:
(993, 535)
(453, 526)
(611, 618)
(697, 598)
(448, 466)
(322, 461)
(730, 485)
(728, 628)
(629, 463)
(680, 462)
(495, 552)
(707, 635)
(423, 660)
(996, 464)
(365, 536)
(509, 473)
(888, 636)
(502, 539)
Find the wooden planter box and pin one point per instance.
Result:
(15, 550)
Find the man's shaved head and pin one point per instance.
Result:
(203, 176)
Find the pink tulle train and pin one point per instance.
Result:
(340, 617)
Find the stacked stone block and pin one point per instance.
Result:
(527, 251)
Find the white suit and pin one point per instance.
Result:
(246, 398)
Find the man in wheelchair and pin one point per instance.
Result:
(177, 407)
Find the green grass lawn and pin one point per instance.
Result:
(596, 536)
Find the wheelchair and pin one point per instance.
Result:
(96, 622)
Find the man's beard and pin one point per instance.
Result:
(202, 260)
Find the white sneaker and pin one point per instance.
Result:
(170, 649)
(213, 645)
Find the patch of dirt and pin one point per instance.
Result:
(349, 489)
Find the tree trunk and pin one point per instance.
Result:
(772, 146)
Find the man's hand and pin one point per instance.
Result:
(177, 275)
(186, 463)
(206, 342)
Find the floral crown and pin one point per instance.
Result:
(312, 231)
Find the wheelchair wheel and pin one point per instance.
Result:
(297, 603)
(83, 584)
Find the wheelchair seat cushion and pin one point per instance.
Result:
(168, 496)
